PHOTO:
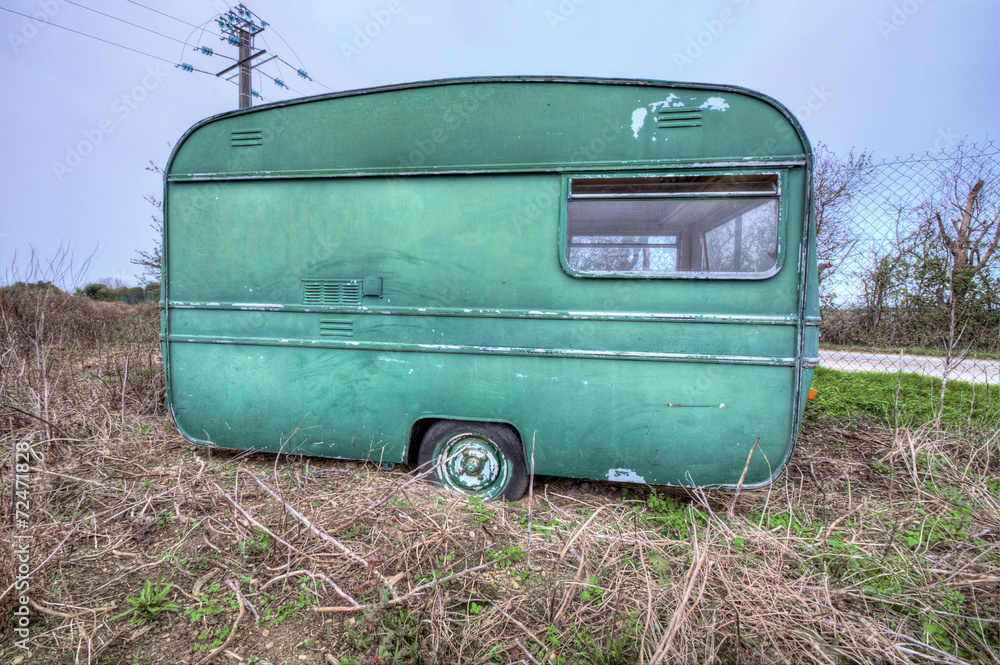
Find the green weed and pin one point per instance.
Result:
(509, 557)
(933, 530)
(592, 593)
(259, 544)
(671, 516)
(481, 512)
(395, 635)
(618, 644)
(151, 601)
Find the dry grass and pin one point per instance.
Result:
(875, 546)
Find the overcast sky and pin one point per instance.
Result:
(81, 119)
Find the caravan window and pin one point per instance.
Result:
(680, 226)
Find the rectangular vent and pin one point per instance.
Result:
(246, 137)
(678, 117)
(331, 291)
(336, 328)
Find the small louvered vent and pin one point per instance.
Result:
(336, 328)
(331, 291)
(678, 117)
(246, 137)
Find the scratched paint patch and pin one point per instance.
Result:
(625, 476)
(638, 118)
(715, 104)
(672, 101)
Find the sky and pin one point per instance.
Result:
(82, 119)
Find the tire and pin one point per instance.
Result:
(475, 458)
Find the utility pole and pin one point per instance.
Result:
(240, 26)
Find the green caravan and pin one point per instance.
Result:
(603, 279)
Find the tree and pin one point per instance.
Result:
(952, 264)
(971, 206)
(152, 262)
(40, 285)
(113, 283)
(837, 183)
(97, 291)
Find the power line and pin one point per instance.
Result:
(179, 20)
(127, 48)
(184, 66)
(281, 83)
(289, 47)
(134, 25)
(301, 72)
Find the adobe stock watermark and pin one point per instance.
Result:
(562, 12)
(782, 131)
(452, 119)
(21, 541)
(713, 28)
(899, 16)
(946, 138)
(818, 96)
(121, 108)
(47, 9)
(363, 35)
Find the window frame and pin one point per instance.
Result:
(565, 193)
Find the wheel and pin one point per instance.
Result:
(475, 458)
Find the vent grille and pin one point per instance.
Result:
(246, 137)
(331, 291)
(678, 117)
(336, 328)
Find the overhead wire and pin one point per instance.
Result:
(134, 25)
(300, 70)
(210, 52)
(281, 84)
(184, 66)
(111, 43)
(164, 14)
(306, 77)
(84, 34)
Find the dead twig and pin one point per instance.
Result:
(315, 530)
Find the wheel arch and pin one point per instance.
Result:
(420, 426)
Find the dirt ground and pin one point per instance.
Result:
(267, 559)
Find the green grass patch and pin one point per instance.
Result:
(909, 351)
(873, 395)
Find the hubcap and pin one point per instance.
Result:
(472, 464)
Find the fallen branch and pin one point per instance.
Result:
(413, 592)
(318, 532)
(258, 524)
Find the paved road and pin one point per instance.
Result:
(978, 371)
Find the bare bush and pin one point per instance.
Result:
(923, 267)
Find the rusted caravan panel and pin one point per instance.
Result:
(622, 271)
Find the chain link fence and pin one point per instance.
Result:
(909, 264)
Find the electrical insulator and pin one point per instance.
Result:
(280, 83)
(186, 67)
(302, 73)
(207, 51)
